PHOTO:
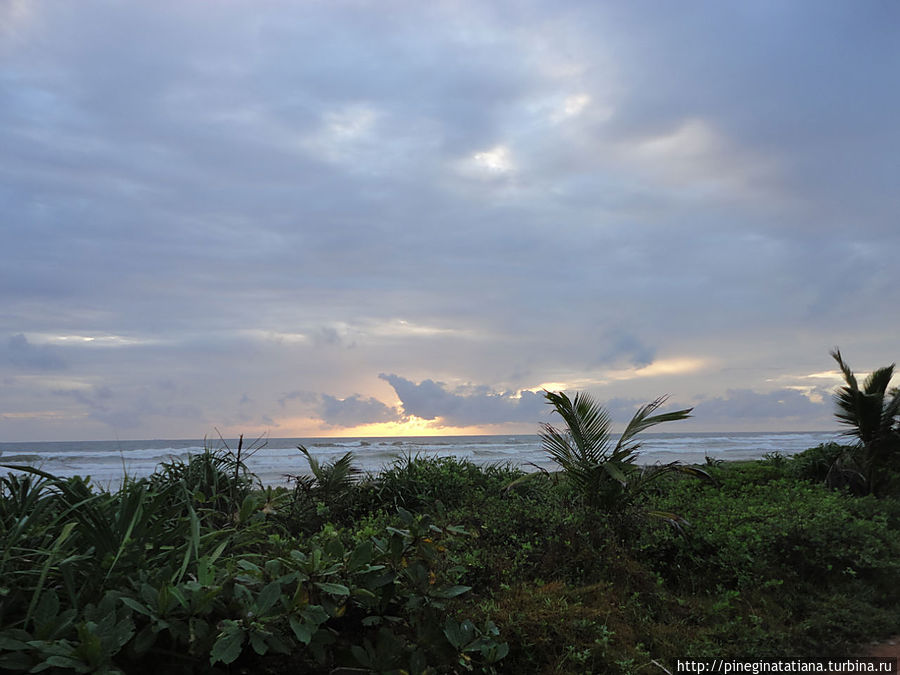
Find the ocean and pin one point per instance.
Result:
(274, 460)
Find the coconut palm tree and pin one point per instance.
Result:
(873, 415)
(604, 471)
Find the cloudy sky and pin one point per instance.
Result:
(400, 217)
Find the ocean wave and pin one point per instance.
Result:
(106, 460)
(7, 459)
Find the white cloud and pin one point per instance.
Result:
(92, 340)
(494, 161)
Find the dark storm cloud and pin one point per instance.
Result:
(466, 407)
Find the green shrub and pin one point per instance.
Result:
(791, 545)
(157, 576)
(418, 481)
(150, 579)
(815, 463)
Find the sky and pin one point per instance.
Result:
(353, 218)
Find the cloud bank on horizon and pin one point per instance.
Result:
(359, 218)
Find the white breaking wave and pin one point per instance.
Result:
(108, 461)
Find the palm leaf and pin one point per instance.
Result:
(644, 418)
(891, 411)
(870, 413)
(331, 477)
(588, 424)
(340, 473)
(605, 477)
(877, 382)
(848, 399)
(849, 377)
(314, 467)
(865, 410)
(581, 449)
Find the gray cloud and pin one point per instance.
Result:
(306, 397)
(22, 354)
(627, 346)
(743, 404)
(466, 407)
(104, 407)
(460, 193)
(355, 410)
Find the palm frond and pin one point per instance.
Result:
(849, 403)
(605, 477)
(588, 423)
(333, 476)
(314, 468)
(342, 471)
(849, 377)
(559, 447)
(644, 419)
(878, 380)
(870, 414)
(891, 412)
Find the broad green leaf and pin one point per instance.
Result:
(303, 631)
(12, 644)
(451, 591)
(258, 642)
(268, 596)
(334, 589)
(136, 606)
(360, 556)
(459, 634)
(249, 566)
(228, 645)
(494, 652)
(314, 614)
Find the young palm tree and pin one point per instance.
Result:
(872, 413)
(605, 473)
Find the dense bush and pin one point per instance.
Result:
(417, 481)
(816, 464)
(189, 577)
(433, 566)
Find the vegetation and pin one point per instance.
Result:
(606, 475)
(873, 415)
(433, 566)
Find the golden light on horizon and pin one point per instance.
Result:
(413, 426)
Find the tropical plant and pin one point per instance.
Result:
(216, 480)
(604, 471)
(415, 481)
(325, 489)
(873, 415)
